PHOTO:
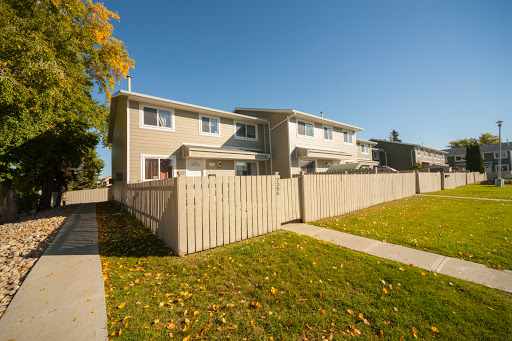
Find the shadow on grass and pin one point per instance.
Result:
(121, 235)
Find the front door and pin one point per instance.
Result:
(195, 167)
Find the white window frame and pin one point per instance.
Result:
(145, 126)
(305, 122)
(376, 153)
(367, 149)
(460, 158)
(418, 152)
(496, 155)
(143, 158)
(503, 165)
(245, 138)
(352, 139)
(201, 125)
(323, 133)
(246, 161)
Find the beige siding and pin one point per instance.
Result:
(280, 142)
(318, 141)
(361, 155)
(119, 151)
(167, 143)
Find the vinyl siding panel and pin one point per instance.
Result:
(186, 130)
(280, 142)
(318, 141)
(119, 151)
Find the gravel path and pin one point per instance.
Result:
(21, 245)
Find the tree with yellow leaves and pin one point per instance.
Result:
(54, 53)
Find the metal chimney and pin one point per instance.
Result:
(321, 114)
(129, 83)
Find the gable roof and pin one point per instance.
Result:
(303, 115)
(484, 148)
(173, 104)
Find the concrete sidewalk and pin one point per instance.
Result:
(454, 267)
(63, 297)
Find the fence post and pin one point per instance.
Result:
(279, 207)
(442, 180)
(418, 189)
(302, 198)
(181, 222)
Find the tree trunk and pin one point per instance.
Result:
(58, 198)
(45, 201)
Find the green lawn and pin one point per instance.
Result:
(282, 287)
(475, 230)
(479, 191)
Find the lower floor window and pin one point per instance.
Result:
(504, 168)
(157, 169)
(246, 168)
(307, 166)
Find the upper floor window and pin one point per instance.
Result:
(328, 133)
(347, 137)
(209, 126)
(503, 155)
(419, 152)
(157, 118)
(305, 129)
(460, 158)
(364, 148)
(245, 131)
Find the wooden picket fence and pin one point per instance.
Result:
(429, 182)
(327, 195)
(87, 196)
(192, 214)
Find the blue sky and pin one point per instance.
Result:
(433, 70)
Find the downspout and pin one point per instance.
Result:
(412, 156)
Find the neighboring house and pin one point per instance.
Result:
(305, 142)
(402, 156)
(153, 138)
(365, 154)
(490, 153)
(106, 182)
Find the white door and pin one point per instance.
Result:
(195, 167)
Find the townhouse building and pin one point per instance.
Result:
(456, 157)
(154, 138)
(403, 156)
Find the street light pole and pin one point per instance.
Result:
(499, 181)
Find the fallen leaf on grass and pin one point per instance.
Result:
(434, 329)
(414, 332)
(121, 306)
(350, 311)
(170, 325)
(385, 290)
(255, 304)
(273, 290)
(490, 308)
